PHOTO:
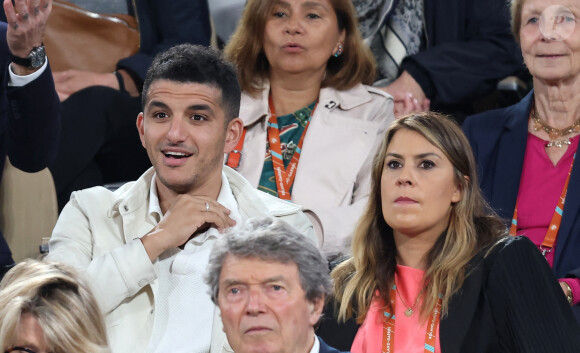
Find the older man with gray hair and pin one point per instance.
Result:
(270, 283)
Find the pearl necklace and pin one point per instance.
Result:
(554, 133)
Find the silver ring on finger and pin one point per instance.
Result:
(207, 207)
(36, 11)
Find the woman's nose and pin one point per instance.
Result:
(293, 26)
(405, 178)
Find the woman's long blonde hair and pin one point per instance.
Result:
(472, 227)
(65, 308)
(245, 49)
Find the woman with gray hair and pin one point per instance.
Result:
(270, 283)
(44, 307)
(526, 152)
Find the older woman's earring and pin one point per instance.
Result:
(338, 51)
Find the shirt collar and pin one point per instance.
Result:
(316, 346)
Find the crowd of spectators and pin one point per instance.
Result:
(323, 176)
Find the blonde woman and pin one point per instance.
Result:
(432, 271)
(45, 308)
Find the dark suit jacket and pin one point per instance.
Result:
(468, 48)
(163, 24)
(325, 348)
(29, 124)
(509, 302)
(498, 139)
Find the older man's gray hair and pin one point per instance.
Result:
(270, 239)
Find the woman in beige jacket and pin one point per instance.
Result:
(312, 125)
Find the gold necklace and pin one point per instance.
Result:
(554, 133)
(409, 310)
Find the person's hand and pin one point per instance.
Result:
(406, 103)
(408, 95)
(26, 23)
(186, 218)
(564, 287)
(71, 81)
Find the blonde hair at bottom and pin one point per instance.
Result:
(62, 303)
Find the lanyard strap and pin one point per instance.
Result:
(554, 227)
(284, 176)
(389, 325)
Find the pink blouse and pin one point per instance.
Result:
(541, 185)
(409, 331)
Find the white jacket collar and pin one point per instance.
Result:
(255, 108)
(134, 195)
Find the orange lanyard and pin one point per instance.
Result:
(284, 176)
(389, 326)
(554, 227)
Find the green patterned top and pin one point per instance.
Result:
(291, 129)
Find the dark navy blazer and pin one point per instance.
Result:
(29, 124)
(498, 138)
(325, 348)
(163, 24)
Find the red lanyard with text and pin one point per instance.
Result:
(284, 176)
(389, 326)
(552, 233)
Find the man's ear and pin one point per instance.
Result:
(233, 134)
(141, 128)
(316, 307)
